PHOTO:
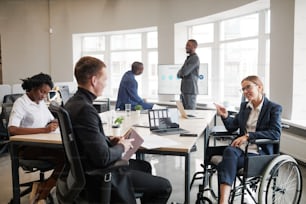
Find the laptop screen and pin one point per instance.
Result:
(163, 119)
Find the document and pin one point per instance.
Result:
(154, 141)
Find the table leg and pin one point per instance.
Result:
(187, 178)
(15, 173)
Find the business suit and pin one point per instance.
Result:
(97, 151)
(189, 73)
(268, 126)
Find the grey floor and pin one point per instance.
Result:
(171, 167)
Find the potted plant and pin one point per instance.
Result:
(138, 108)
(118, 121)
(116, 126)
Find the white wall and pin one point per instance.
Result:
(299, 73)
(28, 47)
(281, 53)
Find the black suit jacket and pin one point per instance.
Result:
(96, 150)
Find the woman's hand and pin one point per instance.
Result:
(52, 126)
(239, 141)
(221, 111)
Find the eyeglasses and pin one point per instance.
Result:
(248, 87)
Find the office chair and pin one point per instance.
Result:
(4, 137)
(71, 186)
(7, 105)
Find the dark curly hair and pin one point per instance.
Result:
(36, 81)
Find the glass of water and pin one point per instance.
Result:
(128, 109)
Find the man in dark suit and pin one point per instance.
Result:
(258, 118)
(98, 150)
(189, 73)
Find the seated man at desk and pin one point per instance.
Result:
(99, 151)
(128, 89)
(30, 115)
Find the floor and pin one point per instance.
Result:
(171, 167)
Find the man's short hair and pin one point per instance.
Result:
(86, 68)
(194, 42)
(135, 66)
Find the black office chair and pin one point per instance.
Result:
(4, 137)
(72, 187)
(267, 175)
(7, 104)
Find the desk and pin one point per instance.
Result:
(47, 140)
(184, 144)
(182, 148)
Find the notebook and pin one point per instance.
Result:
(164, 122)
(132, 134)
(183, 113)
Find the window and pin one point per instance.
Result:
(231, 47)
(119, 50)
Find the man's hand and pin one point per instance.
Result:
(127, 143)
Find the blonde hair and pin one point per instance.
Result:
(255, 80)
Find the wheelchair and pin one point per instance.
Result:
(264, 179)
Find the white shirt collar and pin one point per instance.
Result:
(250, 105)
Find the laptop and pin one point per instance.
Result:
(164, 122)
(183, 113)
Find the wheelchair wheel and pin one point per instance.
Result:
(281, 182)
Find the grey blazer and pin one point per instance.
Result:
(189, 73)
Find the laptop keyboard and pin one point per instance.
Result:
(170, 131)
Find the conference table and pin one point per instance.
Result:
(175, 144)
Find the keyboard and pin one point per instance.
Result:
(171, 131)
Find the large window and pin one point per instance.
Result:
(233, 48)
(119, 50)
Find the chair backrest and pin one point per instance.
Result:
(5, 113)
(7, 105)
(72, 179)
(5, 89)
(11, 98)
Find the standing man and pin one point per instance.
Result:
(189, 73)
(128, 89)
(99, 151)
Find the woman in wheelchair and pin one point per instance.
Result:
(258, 118)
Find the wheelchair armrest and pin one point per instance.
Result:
(100, 172)
(264, 141)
